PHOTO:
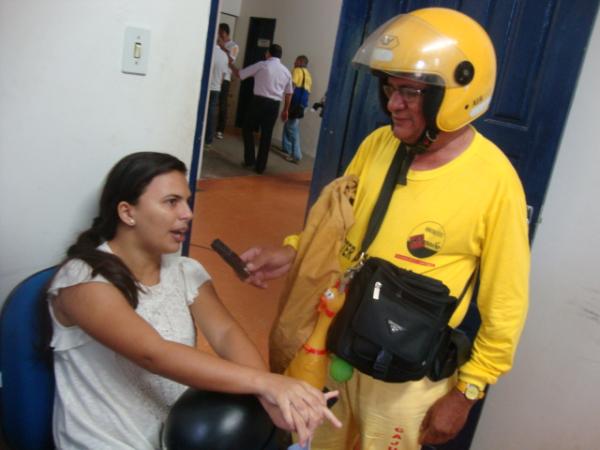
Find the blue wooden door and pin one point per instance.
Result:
(540, 46)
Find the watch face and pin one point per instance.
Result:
(472, 392)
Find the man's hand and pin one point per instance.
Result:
(445, 418)
(267, 263)
(284, 115)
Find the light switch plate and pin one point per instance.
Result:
(136, 51)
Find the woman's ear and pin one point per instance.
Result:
(126, 213)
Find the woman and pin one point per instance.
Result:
(123, 312)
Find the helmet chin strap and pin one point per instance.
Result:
(411, 150)
(431, 104)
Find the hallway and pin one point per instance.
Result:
(244, 211)
(223, 159)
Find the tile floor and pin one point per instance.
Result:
(245, 210)
(224, 157)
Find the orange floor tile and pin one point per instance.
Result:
(242, 212)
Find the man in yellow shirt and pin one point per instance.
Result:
(302, 81)
(458, 207)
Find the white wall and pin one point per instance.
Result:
(308, 27)
(232, 7)
(67, 113)
(551, 399)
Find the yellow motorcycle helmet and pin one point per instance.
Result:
(443, 48)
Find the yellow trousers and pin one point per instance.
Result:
(379, 415)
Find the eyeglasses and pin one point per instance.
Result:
(408, 94)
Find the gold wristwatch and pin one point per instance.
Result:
(470, 391)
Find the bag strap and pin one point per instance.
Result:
(295, 100)
(396, 174)
(468, 283)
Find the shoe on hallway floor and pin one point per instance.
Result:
(291, 159)
(219, 135)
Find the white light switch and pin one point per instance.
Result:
(136, 50)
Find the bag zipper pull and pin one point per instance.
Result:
(376, 290)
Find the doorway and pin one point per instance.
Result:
(223, 158)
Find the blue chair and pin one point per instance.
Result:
(27, 382)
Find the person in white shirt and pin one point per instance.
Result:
(272, 82)
(124, 308)
(220, 67)
(232, 49)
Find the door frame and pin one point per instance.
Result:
(201, 114)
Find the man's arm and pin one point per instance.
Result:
(286, 107)
(288, 91)
(233, 51)
(503, 294)
(231, 56)
(234, 70)
(269, 262)
(445, 418)
(502, 302)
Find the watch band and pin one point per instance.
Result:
(470, 391)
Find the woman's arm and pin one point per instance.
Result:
(229, 340)
(222, 331)
(103, 313)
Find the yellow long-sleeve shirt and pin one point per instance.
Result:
(444, 223)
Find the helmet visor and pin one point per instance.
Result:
(409, 47)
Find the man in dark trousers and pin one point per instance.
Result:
(272, 82)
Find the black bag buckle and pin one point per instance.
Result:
(382, 363)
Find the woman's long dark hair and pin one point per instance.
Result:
(126, 182)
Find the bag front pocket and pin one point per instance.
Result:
(394, 325)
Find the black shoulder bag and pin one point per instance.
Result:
(394, 323)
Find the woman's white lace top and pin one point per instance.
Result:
(102, 400)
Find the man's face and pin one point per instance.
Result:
(222, 34)
(405, 104)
